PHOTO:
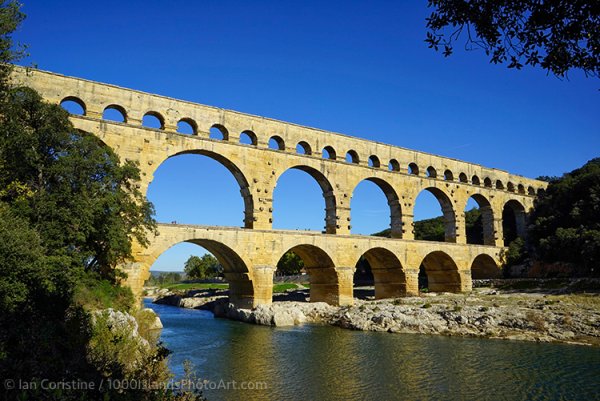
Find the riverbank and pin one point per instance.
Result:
(542, 316)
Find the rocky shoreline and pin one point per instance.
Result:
(486, 313)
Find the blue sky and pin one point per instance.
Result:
(360, 68)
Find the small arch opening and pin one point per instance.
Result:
(219, 132)
(431, 172)
(248, 138)
(393, 165)
(187, 126)
(115, 113)
(73, 105)
(153, 119)
(499, 184)
(521, 189)
(484, 267)
(276, 143)
(510, 187)
(531, 191)
(303, 148)
(448, 176)
(475, 180)
(352, 157)
(462, 177)
(329, 153)
(487, 182)
(374, 161)
(413, 169)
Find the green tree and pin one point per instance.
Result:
(566, 219)
(200, 268)
(10, 18)
(430, 229)
(163, 278)
(73, 190)
(557, 35)
(290, 264)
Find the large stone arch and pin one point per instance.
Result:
(238, 269)
(487, 218)
(393, 203)
(328, 194)
(237, 173)
(442, 272)
(388, 275)
(513, 221)
(484, 266)
(324, 282)
(447, 209)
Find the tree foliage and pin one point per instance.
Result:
(163, 278)
(565, 223)
(201, 268)
(290, 264)
(82, 201)
(10, 18)
(558, 35)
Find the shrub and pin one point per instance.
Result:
(94, 293)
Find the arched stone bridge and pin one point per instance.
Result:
(337, 162)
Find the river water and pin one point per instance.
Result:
(314, 362)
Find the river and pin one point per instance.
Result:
(314, 362)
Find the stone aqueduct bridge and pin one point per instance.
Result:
(337, 162)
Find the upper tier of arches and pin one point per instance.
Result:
(276, 141)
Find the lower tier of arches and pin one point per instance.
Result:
(249, 259)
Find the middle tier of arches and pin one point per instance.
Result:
(257, 171)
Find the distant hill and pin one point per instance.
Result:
(433, 229)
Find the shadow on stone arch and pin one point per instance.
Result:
(441, 273)
(381, 269)
(513, 221)
(485, 267)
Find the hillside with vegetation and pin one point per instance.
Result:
(433, 229)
